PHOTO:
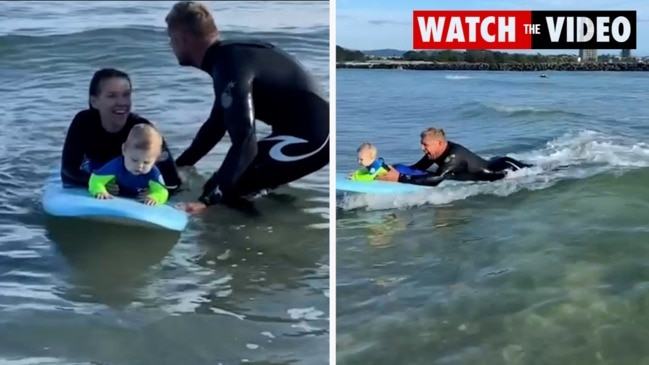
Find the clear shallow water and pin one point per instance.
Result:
(540, 268)
(228, 290)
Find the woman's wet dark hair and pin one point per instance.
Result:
(101, 75)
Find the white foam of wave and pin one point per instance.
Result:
(509, 109)
(310, 314)
(457, 77)
(41, 361)
(306, 316)
(580, 155)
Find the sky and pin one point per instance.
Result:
(377, 24)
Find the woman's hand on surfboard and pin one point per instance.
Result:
(191, 207)
(104, 196)
(350, 175)
(392, 175)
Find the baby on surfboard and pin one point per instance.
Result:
(134, 171)
(373, 166)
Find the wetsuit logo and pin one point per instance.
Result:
(217, 192)
(276, 151)
(226, 95)
(449, 158)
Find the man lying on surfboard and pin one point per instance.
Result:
(454, 162)
(373, 166)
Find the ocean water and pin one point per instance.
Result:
(548, 266)
(230, 289)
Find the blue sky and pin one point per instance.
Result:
(365, 25)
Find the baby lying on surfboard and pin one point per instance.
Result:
(373, 166)
(134, 171)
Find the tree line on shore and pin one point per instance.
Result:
(486, 56)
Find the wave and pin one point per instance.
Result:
(482, 109)
(287, 33)
(457, 77)
(40, 361)
(574, 156)
(16, 47)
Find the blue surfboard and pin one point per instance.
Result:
(343, 184)
(76, 202)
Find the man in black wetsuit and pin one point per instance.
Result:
(454, 162)
(252, 81)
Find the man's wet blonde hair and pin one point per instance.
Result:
(433, 132)
(193, 17)
(143, 137)
(369, 147)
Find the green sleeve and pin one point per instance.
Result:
(365, 176)
(97, 183)
(159, 193)
(361, 175)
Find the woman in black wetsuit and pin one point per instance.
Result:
(96, 134)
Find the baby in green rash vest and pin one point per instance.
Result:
(135, 171)
(372, 166)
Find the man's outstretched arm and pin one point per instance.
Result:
(434, 178)
(210, 133)
(239, 121)
(423, 164)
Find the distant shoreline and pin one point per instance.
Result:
(465, 66)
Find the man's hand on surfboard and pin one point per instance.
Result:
(392, 175)
(191, 207)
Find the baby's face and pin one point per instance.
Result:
(139, 161)
(365, 157)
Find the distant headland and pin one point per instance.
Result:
(480, 61)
